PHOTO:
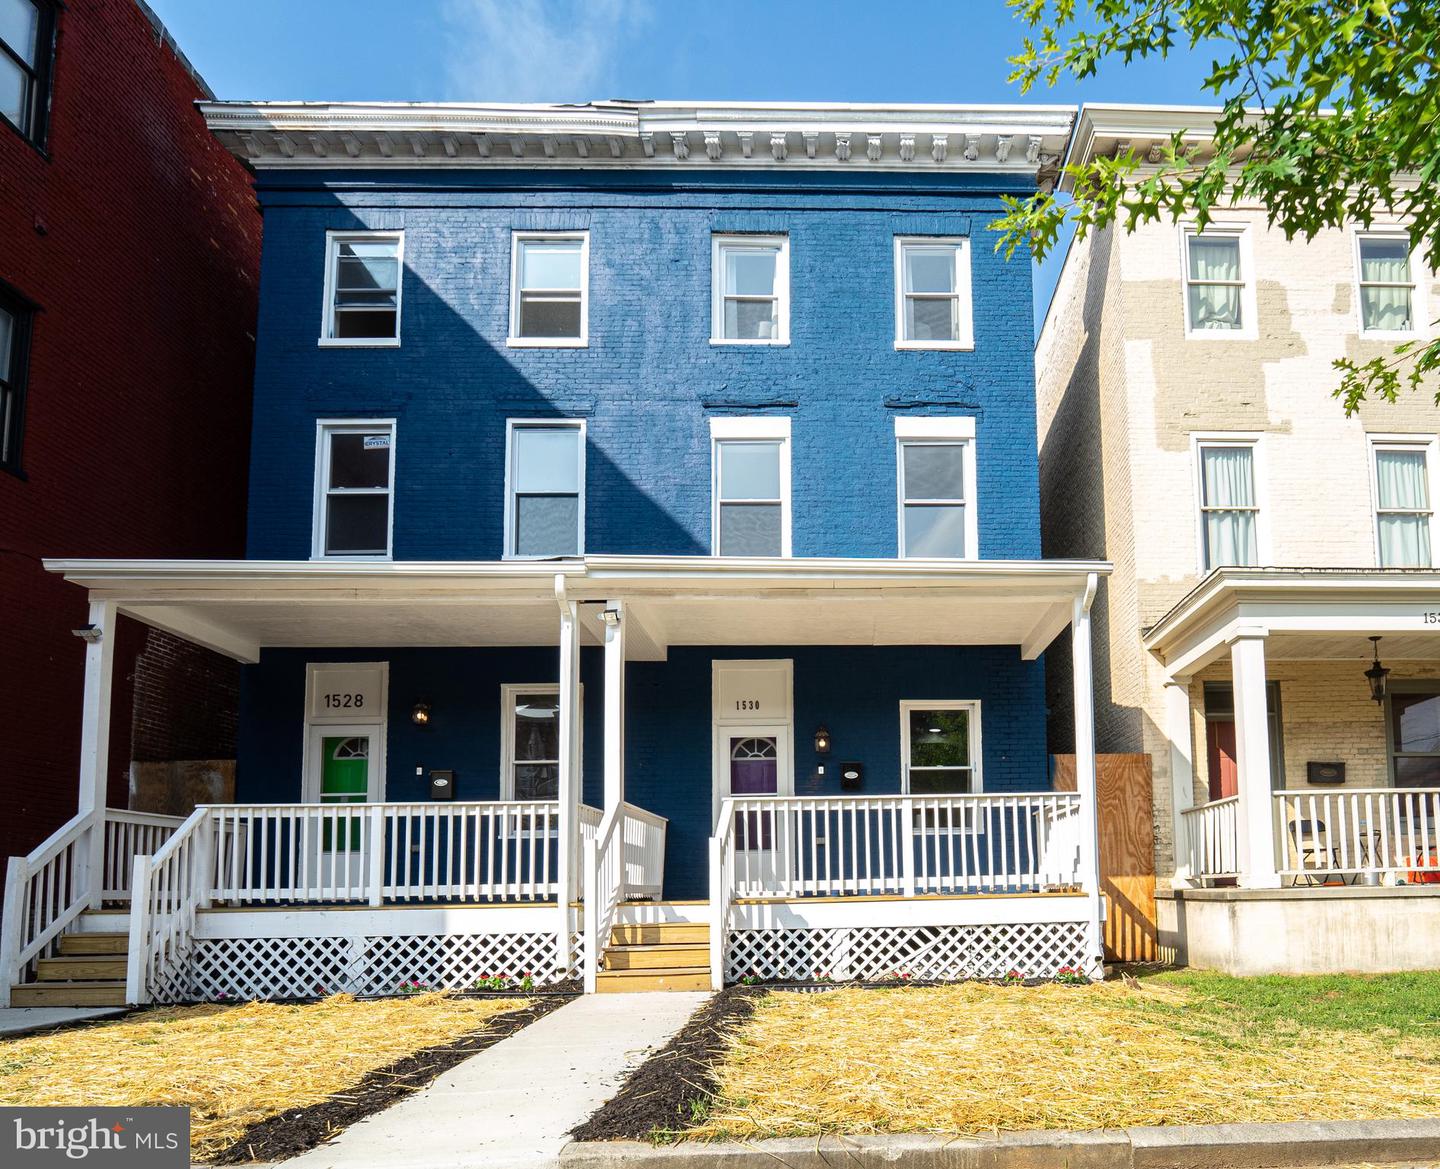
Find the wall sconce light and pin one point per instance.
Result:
(610, 617)
(88, 633)
(420, 714)
(822, 741)
(1377, 675)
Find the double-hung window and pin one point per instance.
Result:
(362, 287)
(355, 476)
(932, 293)
(15, 317)
(545, 513)
(751, 486)
(1217, 296)
(1403, 511)
(750, 296)
(940, 756)
(27, 32)
(1229, 505)
(1387, 287)
(549, 282)
(530, 743)
(936, 464)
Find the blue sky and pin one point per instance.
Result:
(577, 50)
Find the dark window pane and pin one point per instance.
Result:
(537, 727)
(750, 529)
(1415, 722)
(750, 320)
(358, 525)
(544, 316)
(931, 319)
(360, 460)
(14, 91)
(940, 738)
(547, 525)
(378, 323)
(935, 531)
(934, 471)
(7, 331)
(359, 275)
(537, 781)
(939, 783)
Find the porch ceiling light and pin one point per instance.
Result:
(822, 740)
(1377, 674)
(611, 617)
(420, 714)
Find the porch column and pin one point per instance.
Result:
(1252, 761)
(614, 618)
(95, 740)
(1085, 783)
(1182, 770)
(567, 869)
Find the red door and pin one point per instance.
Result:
(1224, 775)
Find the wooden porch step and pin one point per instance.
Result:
(69, 994)
(658, 957)
(671, 978)
(73, 945)
(661, 934)
(81, 968)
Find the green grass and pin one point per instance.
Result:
(1404, 1005)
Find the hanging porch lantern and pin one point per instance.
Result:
(1377, 675)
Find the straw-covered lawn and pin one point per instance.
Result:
(1169, 1049)
(233, 1065)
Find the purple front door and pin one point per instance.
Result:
(754, 771)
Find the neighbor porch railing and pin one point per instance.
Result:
(83, 864)
(1359, 834)
(1212, 835)
(837, 846)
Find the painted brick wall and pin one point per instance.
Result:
(137, 235)
(649, 379)
(668, 726)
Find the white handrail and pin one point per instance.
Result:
(167, 890)
(722, 876)
(604, 877)
(1212, 831)
(831, 846)
(644, 852)
(1359, 833)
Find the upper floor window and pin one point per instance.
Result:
(1403, 514)
(751, 294)
(932, 293)
(1217, 296)
(15, 316)
(362, 287)
(1387, 289)
(27, 30)
(936, 464)
(751, 488)
(1229, 506)
(549, 283)
(545, 512)
(354, 485)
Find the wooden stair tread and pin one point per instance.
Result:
(654, 972)
(75, 945)
(629, 947)
(81, 968)
(108, 993)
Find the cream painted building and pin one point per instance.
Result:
(1260, 539)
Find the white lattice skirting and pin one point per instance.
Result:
(873, 953)
(278, 968)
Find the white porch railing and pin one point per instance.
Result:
(1213, 840)
(836, 846)
(167, 890)
(1359, 834)
(69, 873)
(624, 858)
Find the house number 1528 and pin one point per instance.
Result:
(344, 701)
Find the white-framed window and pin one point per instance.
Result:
(550, 288)
(1385, 284)
(940, 756)
(750, 292)
(935, 478)
(354, 488)
(530, 741)
(1219, 294)
(1404, 493)
(932, 293)
(544, 488)
(750, 486)
(1228, 477)
(364, 274)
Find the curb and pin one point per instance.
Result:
(1210, 1146)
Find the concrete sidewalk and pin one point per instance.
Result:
(24, 1020)
(511, 1106)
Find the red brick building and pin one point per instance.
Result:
(129, 261)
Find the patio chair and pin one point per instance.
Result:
(1315, 857)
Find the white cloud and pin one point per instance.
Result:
(537, 50)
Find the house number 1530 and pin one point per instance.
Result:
(747, 704)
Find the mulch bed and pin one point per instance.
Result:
(662, 1093)
(292, 1133)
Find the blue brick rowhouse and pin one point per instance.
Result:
(643, 577)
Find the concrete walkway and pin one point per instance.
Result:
(510, 1106)
(23, 1020)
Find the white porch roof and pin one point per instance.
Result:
(1304, 614)
(238, 607)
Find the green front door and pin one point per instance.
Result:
(344, 779)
